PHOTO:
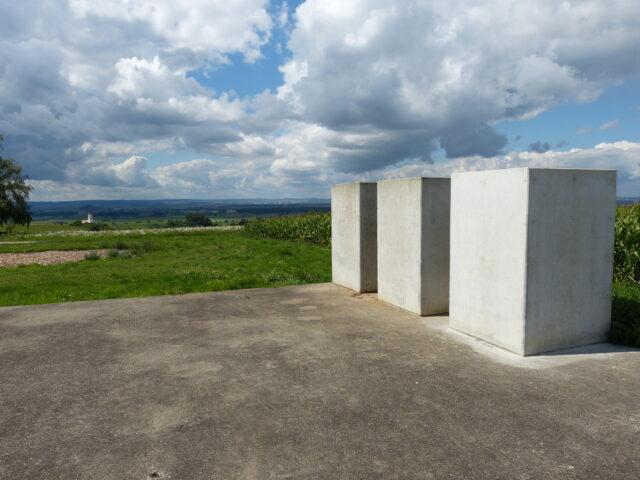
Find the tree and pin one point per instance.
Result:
(14, 193)
(197, 219)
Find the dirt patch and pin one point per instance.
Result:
(51, 257)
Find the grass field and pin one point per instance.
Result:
(161, 264)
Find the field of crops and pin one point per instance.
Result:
(312, 228)
(627, 246)
(625, 318)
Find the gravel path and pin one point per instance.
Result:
(51, 257)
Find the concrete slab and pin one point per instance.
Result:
(353, 236)
(532, 256)
(413, 244)
(308, 382)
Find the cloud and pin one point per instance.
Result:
(609, 125)
(216, 27)
(130, 173)
(540, 147)
(583, 131)
(89, 89)
(621, 156)
(133, 172)
(205, 178)
(107, 71)
(140, 78)
(444, 72)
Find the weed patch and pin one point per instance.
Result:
(93, 256)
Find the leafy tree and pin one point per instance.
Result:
(197, 219)
(14, 193)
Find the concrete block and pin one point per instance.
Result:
(353, 236)
(413, 244)
(532, 257)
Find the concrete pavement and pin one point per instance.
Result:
(305, 382)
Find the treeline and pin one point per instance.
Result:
(193, 219)
(163, 209)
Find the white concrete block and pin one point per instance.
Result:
(413, 244)
(353, 236)
(532, 257)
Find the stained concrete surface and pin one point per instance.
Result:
(306, 382)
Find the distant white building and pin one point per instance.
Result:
(89, 218)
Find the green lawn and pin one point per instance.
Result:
(162, 264)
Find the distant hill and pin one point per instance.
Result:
(171, 208)
(627, 200)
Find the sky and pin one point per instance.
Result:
(136, 99)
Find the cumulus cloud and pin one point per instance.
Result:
(140, 78)
(446, 71)
(90, 89)
(216, 27)
(621, 156)
(283, 178)
(204, 176)
(110, 71)
(130, 173)
(133, 172)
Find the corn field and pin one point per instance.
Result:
(627, 246)
(316, 229)
(313, 228)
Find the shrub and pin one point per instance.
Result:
(193, 219)
(197, 219)
(113, 254)
(92, 256)
(96, 227)
(175, 223)
(625, 314)
(313, 228)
